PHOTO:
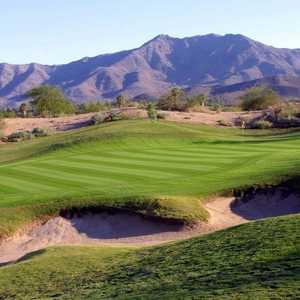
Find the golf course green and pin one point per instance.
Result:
(161, 169)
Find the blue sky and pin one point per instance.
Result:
(59, 31)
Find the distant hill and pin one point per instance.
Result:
(155, 67)
(286, 86)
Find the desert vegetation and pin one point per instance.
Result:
(259, 98)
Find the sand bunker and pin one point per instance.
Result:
(121, 228)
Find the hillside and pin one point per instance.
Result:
(155, 67)
(286, 86)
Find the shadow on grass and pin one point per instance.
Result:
(31, 255)
(26, 257)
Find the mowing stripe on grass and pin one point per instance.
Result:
(127, 171)
(177, 167)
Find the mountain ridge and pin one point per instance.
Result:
(156, 66)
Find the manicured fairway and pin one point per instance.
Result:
(158, 168)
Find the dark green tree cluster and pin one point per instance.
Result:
(259, 98)
(93, 106)
(49, 101)
(177, 100)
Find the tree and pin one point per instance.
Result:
(151, 111)
(23, 110)
(121, 101)
(174, 100)
(49, 101)
(259, 98)
(197, 100)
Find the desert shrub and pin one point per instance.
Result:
(40, 132)
(49, 101)
(196, 103)
(121, 101)
(261, 124)
(224, 123)
(259, 98)
(175, 100)
(285, 116)
(151, 111)
(288, 111)
(8, 113)
(93, 106)
(25, 135)
(116, 115)
(111, 116)
(19, 136)
(98, 119)
(217, 108)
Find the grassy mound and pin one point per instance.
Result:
(259, 260)
(156, 168)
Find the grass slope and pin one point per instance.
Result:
(259, 260)
(157, 168)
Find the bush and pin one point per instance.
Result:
(40, 132)
(49, 101)
(8, 113)
(93, 106)
(19, 136)
(25, 135)
(259, 98)
(111, 116)
(196, 103)
(151, 111)
(224, 123)
(175, 100)
(98, 119)
(261, 124)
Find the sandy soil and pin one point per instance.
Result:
(54, 124)
(61, 123)
(210, 118)
(131, 229)
(77, 121)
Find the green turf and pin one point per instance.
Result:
(260, 260)
(157, 168)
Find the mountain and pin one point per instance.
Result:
(155, 67)
(286, 86)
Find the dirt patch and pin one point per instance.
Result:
(78, 121)
(54, 124)
(124, 229)
(210, 118)
(12, 125)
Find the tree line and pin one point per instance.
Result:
(49, 101)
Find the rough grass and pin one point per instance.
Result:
(259, 260)
(156, 168)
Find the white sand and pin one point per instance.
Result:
(131, 229)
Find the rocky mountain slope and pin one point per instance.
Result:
(153, 68)
(286, 86)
